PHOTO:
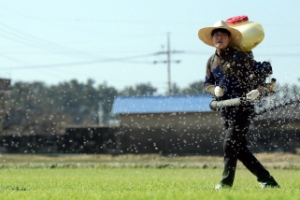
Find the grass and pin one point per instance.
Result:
(129, 177)
(139, 183)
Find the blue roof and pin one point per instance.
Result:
(161, 104)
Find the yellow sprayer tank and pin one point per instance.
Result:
(252, 32)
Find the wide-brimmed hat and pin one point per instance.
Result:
(204, 34)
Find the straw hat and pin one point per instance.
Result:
(204, 34)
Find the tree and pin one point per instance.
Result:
(194, 88)
(27, 110)
(75, 99)
(35, 107)
(143, 89)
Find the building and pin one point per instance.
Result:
(168, 124)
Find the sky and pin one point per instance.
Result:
(117, 42)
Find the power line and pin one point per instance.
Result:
(36, 42)
(83, 63)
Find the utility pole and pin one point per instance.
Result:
(169, 65)
(4, 89)
(168, 61)
(101, 114)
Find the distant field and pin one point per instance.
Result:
(270, 160)
(139, 183)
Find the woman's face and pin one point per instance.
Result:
(221, 40)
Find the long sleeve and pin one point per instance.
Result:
(209, 83)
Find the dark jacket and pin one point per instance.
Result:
(231, 71)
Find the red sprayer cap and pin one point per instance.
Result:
(237, 19)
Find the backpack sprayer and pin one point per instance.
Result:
(253, 34)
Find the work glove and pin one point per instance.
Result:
(219, 92)
(252, 95)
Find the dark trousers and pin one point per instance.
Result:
(237, 121)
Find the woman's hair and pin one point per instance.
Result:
(222, 30)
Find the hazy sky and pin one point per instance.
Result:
(116, 41)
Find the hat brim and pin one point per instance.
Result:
(204, 35)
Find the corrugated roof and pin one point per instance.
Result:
(161, 104)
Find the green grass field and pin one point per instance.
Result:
(139, 183)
